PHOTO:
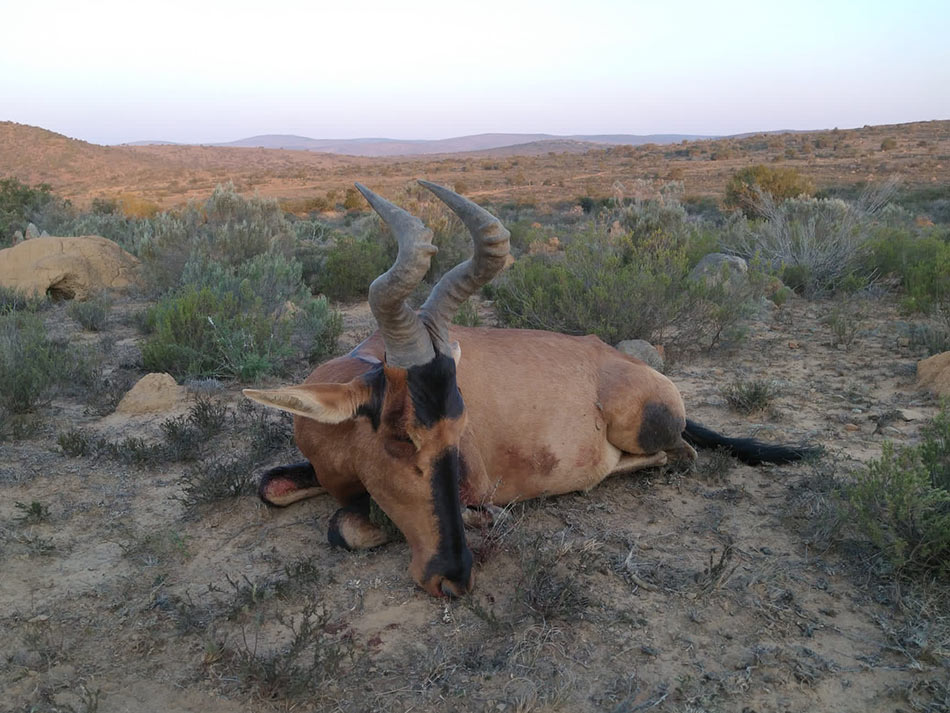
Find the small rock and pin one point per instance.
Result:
(851, 427)
(793, 345)
(642, 350)
(38, 619)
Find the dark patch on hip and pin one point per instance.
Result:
(659, 428)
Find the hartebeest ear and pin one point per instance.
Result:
(326, 403)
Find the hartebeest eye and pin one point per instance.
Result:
(399, 447)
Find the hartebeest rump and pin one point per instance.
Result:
(428, 418)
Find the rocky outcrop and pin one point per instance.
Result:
(67, 268)
(933, 374)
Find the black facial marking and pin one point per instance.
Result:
(453, 559)
(659, 428)
(434, 392)
(376, 379)
(358, 506)
(301, 474)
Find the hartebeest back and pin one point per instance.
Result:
(428, 418)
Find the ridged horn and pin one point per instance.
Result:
(491, 247)
(407, 340)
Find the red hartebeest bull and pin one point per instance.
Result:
(427, 418)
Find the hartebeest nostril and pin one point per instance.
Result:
(452, 589)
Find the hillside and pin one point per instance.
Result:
(538, 172)
(459, 144)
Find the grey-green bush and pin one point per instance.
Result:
(238, 322)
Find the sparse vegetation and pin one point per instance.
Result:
(106, 553)
(32, 365)
(746, 188)
(19, 204)
(238, 323)
(901, 502)
(632, 284)
(91, 314)
(750, 395)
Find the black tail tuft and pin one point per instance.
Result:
(748, 450)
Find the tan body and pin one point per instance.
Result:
(546, 414)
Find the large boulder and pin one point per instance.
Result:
(67, 268)
(934, 374)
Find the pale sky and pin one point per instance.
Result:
(113, 71)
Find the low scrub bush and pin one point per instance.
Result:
(629, 286)
(750, 396)
(901, 502)
(32, 365)
(19, 205)
(814, 244)
(227, 228)
(745, 189)
(15, 301)
(239, 322)
(91, 314)
(344, 269)
(920, 260)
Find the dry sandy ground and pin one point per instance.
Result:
(713, 590)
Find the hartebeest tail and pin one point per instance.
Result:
(748, 450)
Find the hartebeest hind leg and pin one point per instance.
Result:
(645, 416)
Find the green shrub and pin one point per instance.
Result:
(15, 301)
(901, 502)
(227, 228)
(627, 287)
(467, 315)
(91, 314)
(198, 333)
(348, 267)
(750, 396)
(19, 204)
(815, 244)
(32, 365)
(239, 322)
(920, 260)
(746, 187)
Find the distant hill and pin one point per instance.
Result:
(540, 169)
(459, 144)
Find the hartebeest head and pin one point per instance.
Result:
(411, 399)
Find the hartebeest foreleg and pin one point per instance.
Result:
(287, 484)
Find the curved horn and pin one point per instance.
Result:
(407, 341)
(491, 245)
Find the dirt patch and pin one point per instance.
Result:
(661, 591)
